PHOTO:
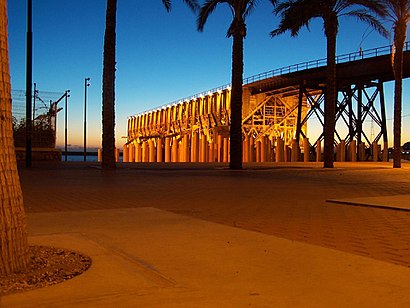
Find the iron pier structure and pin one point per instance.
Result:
(277, 106)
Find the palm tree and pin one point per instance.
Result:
(298, 13)
(240, 9)
(108, 102)
(398, 12)
(108, 112)
(13, 235)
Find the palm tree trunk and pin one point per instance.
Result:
(399, 38)
(108, 113)
(13, 235)
(331, 92)
(236, 102)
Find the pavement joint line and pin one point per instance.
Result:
(357, 203)
(149, 270)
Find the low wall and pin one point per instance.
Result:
(39, 154)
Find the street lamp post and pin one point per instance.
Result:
(65, 124)
(29, 80)
(86, 84)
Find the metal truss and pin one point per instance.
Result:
(357, 103)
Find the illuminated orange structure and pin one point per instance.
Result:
(276, 107)
(197, 129)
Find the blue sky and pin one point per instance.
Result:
(161, 57)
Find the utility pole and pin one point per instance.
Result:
(86, 85)
(65, 123)
(35, 92)
(29, 81)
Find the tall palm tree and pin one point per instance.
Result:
(298, 13)
(398, 12)
(108, 112)
(240, 9)
(13, 235)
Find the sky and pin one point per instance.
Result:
(161, 57)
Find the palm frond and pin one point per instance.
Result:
(250, 6)
(371, 20)
(192, 4)
(295, 14)
(207, 9)
(374, 6)
(167, 4)
(281, 7)
(397, 10)
(274, 2)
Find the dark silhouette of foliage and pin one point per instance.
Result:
(296, 14)
(43, 130)
(398, 12)
(237, 30)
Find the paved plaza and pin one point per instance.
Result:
(201, 235)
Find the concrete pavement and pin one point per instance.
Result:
(150, 258)
(156, 244)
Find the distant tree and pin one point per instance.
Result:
(13, 235)
(296, 14)
(108, 100)
(398, 12)
(43, 130)
(240, 9)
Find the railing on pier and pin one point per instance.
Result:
(353, 56)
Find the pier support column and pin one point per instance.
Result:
(152, 150)
(226, 150)
(195, 147)
(202, 149)
(211, 152)
(145, 154)
(258, 151)
(375, 151)
(138, 152)
(159, 150)
(174, 149)
(167, 149)
(295, 151)
(341, 151)
(338, 152)
(187, 152)
(361, 153)
(385, 152)
(251, 149)
(246, 149)
(269, 150)
(306, 150)
(183, 153)
(318, 151)
(352, 151)
(279, 149)
(125, 154)
(288, 153)
(117, 155)
(219, 148)
(263, 149)
(131, 153)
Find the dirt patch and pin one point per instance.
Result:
(48, 266)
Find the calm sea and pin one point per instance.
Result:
(79, 158)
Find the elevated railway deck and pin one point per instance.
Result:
(276, 108)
